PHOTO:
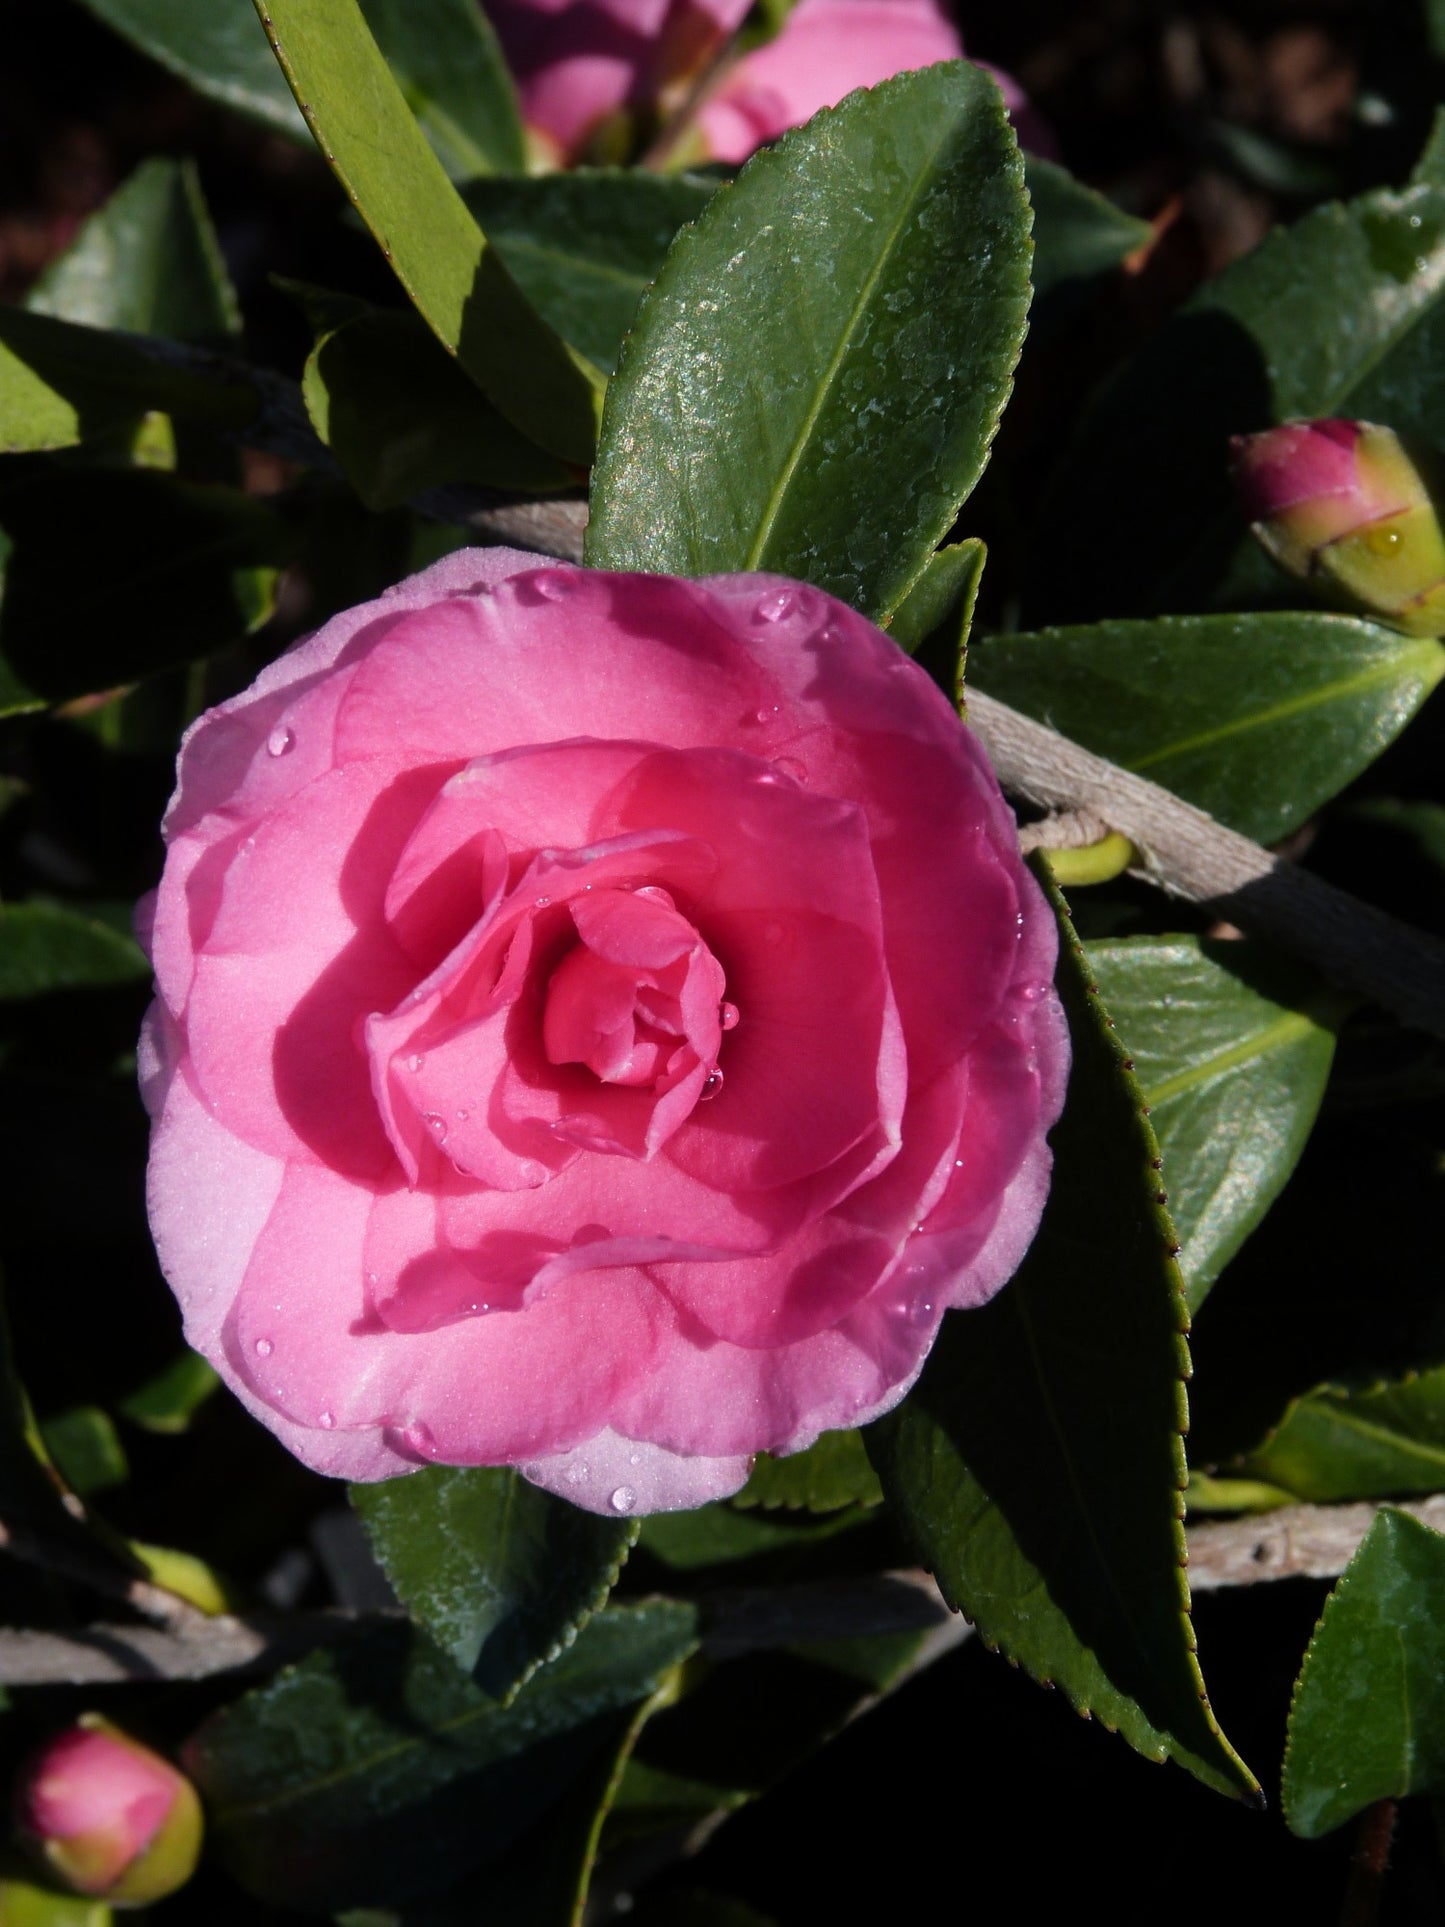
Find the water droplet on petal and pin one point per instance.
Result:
(920, 1311)
(790, 766)
(415, 1061)
(727, 1016)
(1029, 993)
(462, 1116)
(552, 587)
(776, 604)
(623, 1499)
(326, 1421)
(418, 1438)
(711, 1087)
(264, 1348)
(280, 741)
(540, 903)
(655, 893)
(766, 713)
(576, 1474)
(634, 1458)
(436, 1125)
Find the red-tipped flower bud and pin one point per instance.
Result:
(1342, 504)
(107, 1816)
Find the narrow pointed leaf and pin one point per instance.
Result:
(1368, 1718)
(1377, 1442)
(1037, 1465)
(1077, 232)
(147, 262)
(445, 55)
(501, 1574)
(585, 246)
(1232, 1049)
(362, 124)
(942, 596)
(46, 947)
(1258, 719)
(378, 1772)
(814, 380)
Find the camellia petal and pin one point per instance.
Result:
(602, 1022)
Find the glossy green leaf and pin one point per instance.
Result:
(168, 1402)
(1077, 232)
(1340, 314)
(86, 1449)
(450, 68)
(942, 597)
(716, 1535)
(364, 128)
(402, 417)
(443, 53)
(1037, 1465)
(1368, 1718)
(148, 262)
(377, 1772)
(218, 48)
(1256, 718)
(61, 384)
(812, 384)
(24, 1903)
(500, 1573)
(585, 246)
(51, 946)
(1232, 1048)
(173, 570)
(1382, 1441)
(832, 1473)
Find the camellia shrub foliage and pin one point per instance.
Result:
(792, 984)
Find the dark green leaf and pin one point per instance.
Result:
(1422, 823)
(1340, 314)
(812, 384)
(943, 596)
(1368, 1718)
(86, 1449)
(446, 58)
(584, 246)
(716, 1535)
(375, 1773)
(49, 946)
(834, 1472)
(402, 417)
(1037, 1465)
(61, 384)
(1256, 718)
(217, 47)
(1077, 233)
(1430, 168)
(362, 125)
(168, 1402)
(148, 262)
(173, 570)
(1335, 1443)
(500, 1573)
(1232, 1048)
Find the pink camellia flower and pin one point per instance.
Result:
(577, 63)
(603, 1023)
(825, 50)
(107, 1816)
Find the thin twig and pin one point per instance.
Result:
(74, 1560)
(1189, 855)
(1297, 1542)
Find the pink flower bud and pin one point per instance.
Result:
(109, 1817)
(1341, 504)
(578, 64)
(826, 49)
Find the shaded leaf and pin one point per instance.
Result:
(1257, 719)
(814, 379)
(147, 262)
(61, 384)
(716, 1535)
(1077, 232)
(50, 946)
(401, 416)
(1379, 1442)
(1368, 1718)
(217, 48)
(1340, 314)
(376, 1773)
(832, 1473)
(1037, 1465)
(364, 128)
(500, 1573)
(585, 246)
(1232, 1048)
(445, 56)
(942, 597)
(86, 1450)
(173, 570)
(168, 1402)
